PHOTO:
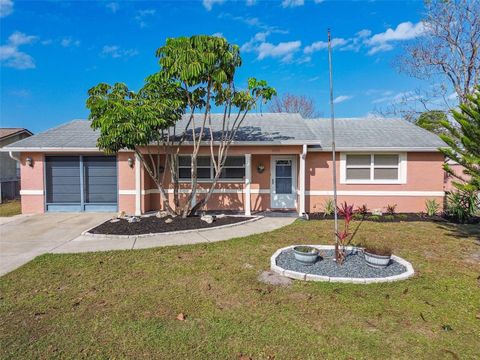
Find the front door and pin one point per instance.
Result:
(283, 190)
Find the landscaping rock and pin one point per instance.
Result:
(207, 218)
(133, 219)
(115, 220)
(271, 278)
(121, 214)
(161, 214)
(220, 216)
(168, 221)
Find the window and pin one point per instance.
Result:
(234, 168)
(372, 168)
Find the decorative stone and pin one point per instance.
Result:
(161, 214)
(133, 219)
(121, 214)
(377, 212)
(221, 216)
(168, 221)
(269, 277)
(114, 220)
(207, 218)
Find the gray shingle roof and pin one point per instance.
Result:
(279, 128)
(352, 133)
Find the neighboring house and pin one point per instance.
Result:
(277, 162)
(10, 168)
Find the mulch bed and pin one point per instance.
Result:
(152, 224)
(405, 217)
(400, 217)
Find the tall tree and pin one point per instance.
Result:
(463, 139)
(290, 103)
(195, 73)
(448, 51)
(432, 121)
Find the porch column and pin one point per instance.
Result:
(138, 186)
(301, 180)
(248, 180)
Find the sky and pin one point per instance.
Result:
(52, 52)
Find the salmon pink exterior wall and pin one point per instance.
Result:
(126, 183)
(31, 184)
(424, 176)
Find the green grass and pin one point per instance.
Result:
(10, 208)
(124, 304)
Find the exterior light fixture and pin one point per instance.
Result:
(29, 161)
(130, 162)
(260, 168)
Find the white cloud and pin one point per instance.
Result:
(250, 2)
(404, 31)
(142, 15)
(68, 41)
(284, 50)
(116, 52)
(6, 8)
(341, 98)
(292, 3)
(320, 45)
(218, 34)
(208, 4)
(397, 98)
(264, 49)
(113, 6)
(21, 93)
(11, 56)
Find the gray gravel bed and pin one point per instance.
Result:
(353, 267)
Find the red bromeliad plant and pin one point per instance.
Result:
(345, 211)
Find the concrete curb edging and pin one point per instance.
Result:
(312, 277)
(86, 233)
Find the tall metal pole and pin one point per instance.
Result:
(332, 124)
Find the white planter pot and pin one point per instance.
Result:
(376, 261)
(306, 258)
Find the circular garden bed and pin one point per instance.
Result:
(353, 270)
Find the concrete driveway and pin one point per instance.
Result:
(25, 237)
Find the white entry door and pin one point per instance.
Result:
(283, 189)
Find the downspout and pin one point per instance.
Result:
(10, 153)
(303, 156)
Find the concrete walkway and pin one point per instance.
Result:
(26, 237)
(88, 243)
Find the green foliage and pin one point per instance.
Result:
(432, 121)
(374, 217)
(462, 205)
(358, 216)
(391, 209)
(362, 210)
(389, 217)
(432, 207)
(402, 216)
(127, 120)
(463, 139)
(328, 207)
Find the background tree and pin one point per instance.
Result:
(290, 103)
(449, 47)
(195, 73)
(432, 121)
(463, 139)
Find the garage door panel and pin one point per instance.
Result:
(63, 183)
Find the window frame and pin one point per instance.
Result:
(401, 166)
(212, 171)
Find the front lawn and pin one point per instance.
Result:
(10, 208)
(124, 304)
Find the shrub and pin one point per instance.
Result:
(381, 250)
(389, 217)
(402, 216)
(391, 209)
(362, 210)
(358, 216)
(432, 207)
(328, 207)
(374, 218)
(461, 205)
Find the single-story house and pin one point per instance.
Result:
(9, 168)
(278, 161)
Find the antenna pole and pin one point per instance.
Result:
(332, 124)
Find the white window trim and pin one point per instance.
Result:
(402, 169)
(212, 173)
